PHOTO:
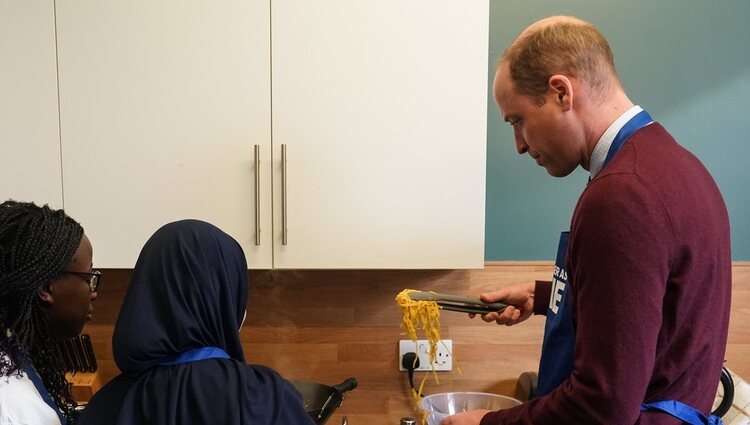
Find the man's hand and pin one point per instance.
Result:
(520, 298)
(472, 417)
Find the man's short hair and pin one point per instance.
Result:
(566, 46)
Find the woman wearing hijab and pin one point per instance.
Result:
(177, 342)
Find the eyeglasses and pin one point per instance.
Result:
(92, 278)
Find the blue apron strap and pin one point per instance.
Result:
(196, 354)
(37, 380)
(640, 120)
(682, 411)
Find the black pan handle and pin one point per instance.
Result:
(347, 385)
(726, 402)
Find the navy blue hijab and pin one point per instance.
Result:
(189, 290)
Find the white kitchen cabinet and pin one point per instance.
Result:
(379, 105)
(162, 103)
(382, 105)
(29, 133)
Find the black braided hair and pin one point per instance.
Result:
(36, 245)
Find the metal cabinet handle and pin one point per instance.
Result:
(257, 195)
(283, 196)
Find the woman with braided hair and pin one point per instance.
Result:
(47, 287)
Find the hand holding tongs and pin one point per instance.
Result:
(458, 303)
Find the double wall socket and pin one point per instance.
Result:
(443, 357)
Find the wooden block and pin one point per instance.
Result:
(84, 385)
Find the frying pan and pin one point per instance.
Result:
(727, 384)
(322, 400)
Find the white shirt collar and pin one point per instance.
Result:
(602, 146)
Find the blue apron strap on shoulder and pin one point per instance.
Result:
(682, 411)
(195, 355)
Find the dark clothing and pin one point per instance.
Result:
(208, 392)
(189, 290)
(650, 279)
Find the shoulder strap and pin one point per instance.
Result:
(196, 354)
(37, 380)
(682, 411)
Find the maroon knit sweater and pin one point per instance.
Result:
(650, 271)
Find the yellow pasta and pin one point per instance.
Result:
(425, 316)
(416, 315)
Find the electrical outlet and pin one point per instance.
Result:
(443, 357)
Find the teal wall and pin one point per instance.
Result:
(686, 61)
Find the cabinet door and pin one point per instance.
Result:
(161, 105)
(382, 108)
(29, 133)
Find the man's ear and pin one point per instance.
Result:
(45, 294)
(562, 89)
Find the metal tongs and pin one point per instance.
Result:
(458, 303)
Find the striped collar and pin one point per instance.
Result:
(602, 146)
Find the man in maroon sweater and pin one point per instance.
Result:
(646, 273)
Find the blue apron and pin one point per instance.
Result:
(196, 354)
(556, 363)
